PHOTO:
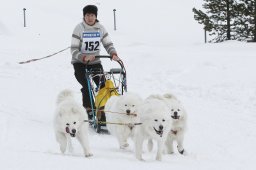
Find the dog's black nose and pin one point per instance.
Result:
(175, 113)
(128, 111)
(73, 131)
(161, 127)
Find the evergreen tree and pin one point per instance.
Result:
(218, 19)
(246, 20)
(202, 18)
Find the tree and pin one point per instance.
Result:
(246, 20)
(202, 18)
(218, 19)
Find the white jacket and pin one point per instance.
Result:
(77, 42)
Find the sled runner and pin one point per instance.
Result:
(112, 82)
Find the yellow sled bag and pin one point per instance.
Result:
(103, 95)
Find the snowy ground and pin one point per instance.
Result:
(163, 51)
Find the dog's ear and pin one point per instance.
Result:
(74, 110)
(60, 114)
(119, 100)
(139, 100)
(149, 110)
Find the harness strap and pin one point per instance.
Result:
(106, 111)
(115, 123)
(36, 59)
(174, 132)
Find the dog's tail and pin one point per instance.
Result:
(63, 95)
(150, 145)
(155, 96)
(170, 96)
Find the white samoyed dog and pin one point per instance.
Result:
(122, 116)
(179, 122)
(156, 124)
(69, 122)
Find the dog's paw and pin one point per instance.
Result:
(88, 155)
(170, 152)
(124, 146)
(182, 151)
(159, 158)
(63, 149)
(140, 159)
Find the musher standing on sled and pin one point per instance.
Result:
(85, 45)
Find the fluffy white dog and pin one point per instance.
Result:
(156, 124)
(122, 112)
(179, 123)
(69, 122)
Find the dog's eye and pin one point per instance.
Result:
(172, 110)
(74, 123)
(163, 120)
(125, 105)
(156, 120)
(178, 109)
(67, 124)
(133, 105)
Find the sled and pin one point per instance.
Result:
(112, 82)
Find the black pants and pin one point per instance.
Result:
(81, 78)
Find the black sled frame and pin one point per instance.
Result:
(119, 79)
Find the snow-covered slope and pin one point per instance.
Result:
(163, 51)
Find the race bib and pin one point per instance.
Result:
(91, 42)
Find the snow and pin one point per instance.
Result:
(163, 51)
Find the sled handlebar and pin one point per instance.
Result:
(120, 62)
(103, 56)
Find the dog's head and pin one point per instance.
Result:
(177, 111)
(128, 103)
(159, 125)
(155, 118)
(71, 121)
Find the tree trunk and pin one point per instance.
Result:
(228, 20)
(254, 38)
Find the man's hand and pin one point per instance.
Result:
(115, 57)
(88, 58)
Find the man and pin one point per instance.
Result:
(85, 45)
